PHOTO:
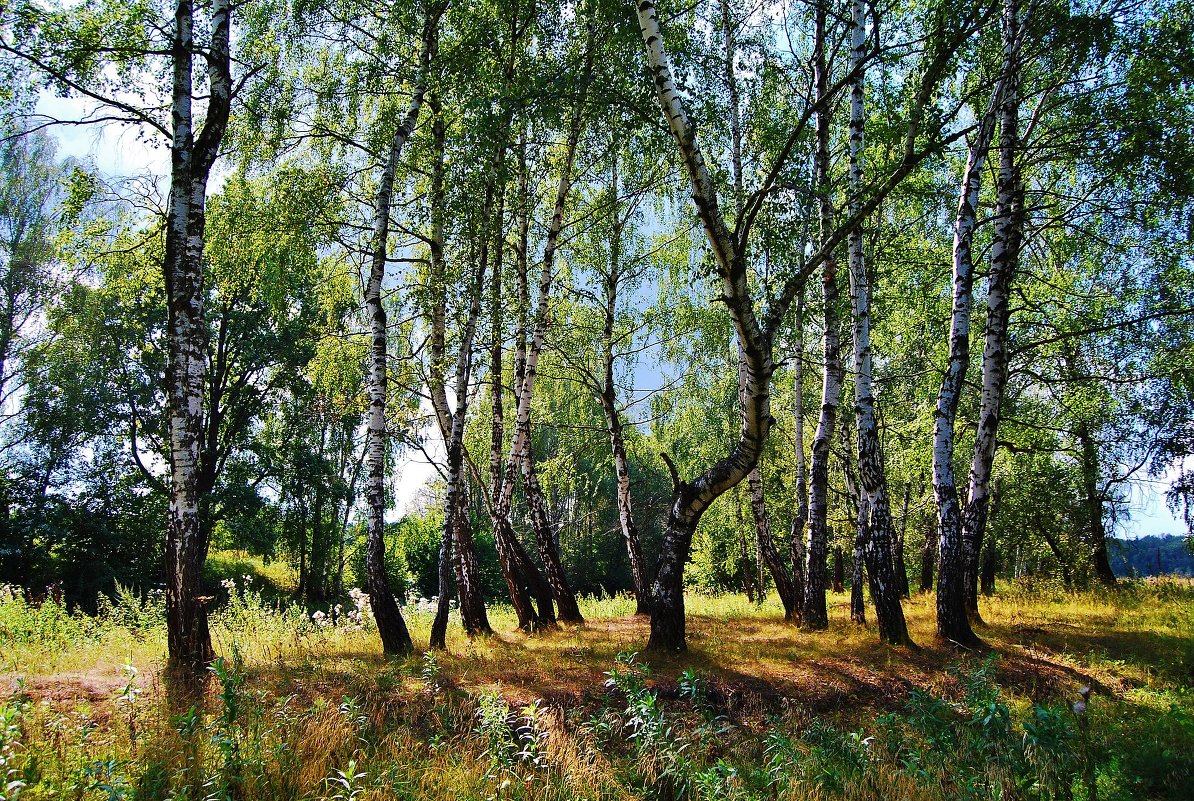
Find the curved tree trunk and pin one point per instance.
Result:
(523, 580)
(456, 546)
(521, 452)
(522, 448)
(691, 499)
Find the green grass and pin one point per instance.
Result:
(755, 710)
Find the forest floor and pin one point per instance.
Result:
(754, 675)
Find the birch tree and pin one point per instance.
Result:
(875, 505)
(756, 335)
(949, 539)
(391, 626)
(816, 616)
(457, 555)
(69, 51)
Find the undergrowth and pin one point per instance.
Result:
(278, 723)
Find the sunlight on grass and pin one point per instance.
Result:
(318, 703)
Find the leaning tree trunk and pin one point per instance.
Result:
(609, 404)
(816, 616)
(1005, 256)
(764, 544)
(952, 621)
(191, 159)
(395, 638)
(879, 533)
(521, 451)
(690, 499)
(524, 582)
(770, 554)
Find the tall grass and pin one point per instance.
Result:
(302, 706)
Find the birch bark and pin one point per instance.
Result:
(951, 617)
(391, 626)
(191, 159)
(878, 536)
(458, 554)
(521, 454)
(1005, 257)
(525, 583)
(816, 616)
(691, 499)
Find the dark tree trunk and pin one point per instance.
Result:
(567, 610)
(839, 570)
(1093, 500)
(928, 560)
(989, 569)
(901, 565)
(667, 613)
(857, 603)
(766, 546)
(439, 625)
(1063, 562)
(800, 518)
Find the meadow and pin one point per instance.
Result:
(305, 707)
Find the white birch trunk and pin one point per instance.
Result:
(391, 626)
(690, 499)
(192, 157)
(885, 592)
(1005, 256)
(816, 616)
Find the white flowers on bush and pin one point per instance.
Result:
(359, 617)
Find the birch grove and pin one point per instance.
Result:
(490, 310)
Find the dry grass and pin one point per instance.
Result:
(318, 700)
(1049, 645)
